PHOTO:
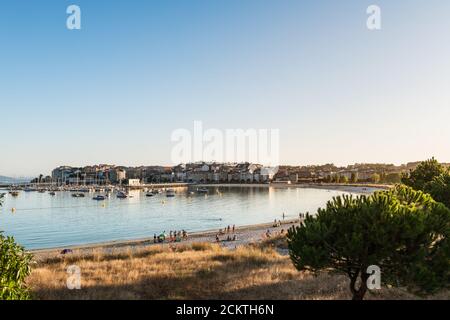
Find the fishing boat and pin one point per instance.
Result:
(28, 189)
(14, 193)
(52, 193)
(170, 193)
(99, 198)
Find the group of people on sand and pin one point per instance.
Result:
(276, 223)
(268, 234)
(229, 229)
(229, 238)
(174, 236)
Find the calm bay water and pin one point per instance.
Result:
(45, 221)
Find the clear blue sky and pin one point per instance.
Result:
(114, 91)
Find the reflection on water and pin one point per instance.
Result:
(43, 221)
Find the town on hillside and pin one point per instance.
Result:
(212, 172)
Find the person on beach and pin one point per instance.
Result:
(217, 238)
(228, 229)
(154, 238)
(162, 236)
(234, 227)
(283, 216)
(268, 234)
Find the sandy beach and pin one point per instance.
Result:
(244, 235)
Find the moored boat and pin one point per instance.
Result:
(122, 195)
(78, 195)
(170, 193)
(202, 190)
(99, 198)
(14, 193)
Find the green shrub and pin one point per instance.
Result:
(14, 269)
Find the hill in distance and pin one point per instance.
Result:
(9, 180)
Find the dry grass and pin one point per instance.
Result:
(197, 271)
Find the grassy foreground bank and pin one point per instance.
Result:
(192, 271)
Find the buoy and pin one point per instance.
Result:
(13, 210)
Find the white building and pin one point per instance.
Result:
(134, 182)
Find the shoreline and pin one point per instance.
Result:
(246, 234)
(351, 187)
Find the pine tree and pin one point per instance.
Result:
(402, 231)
